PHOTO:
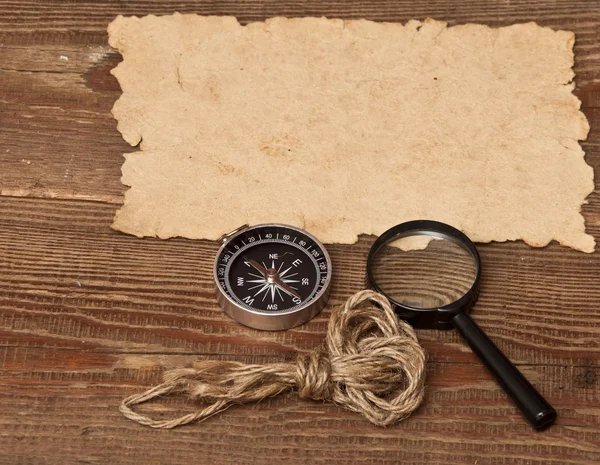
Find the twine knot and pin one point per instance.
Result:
(313, 375)
(373, 365)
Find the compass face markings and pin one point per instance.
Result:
(277, 272)
(271, 289)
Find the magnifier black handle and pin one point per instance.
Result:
(538, 412)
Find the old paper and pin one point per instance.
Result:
(346, 128)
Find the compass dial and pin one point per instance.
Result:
(272, 271)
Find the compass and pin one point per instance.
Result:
(272, 276)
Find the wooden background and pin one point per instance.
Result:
(89, 315)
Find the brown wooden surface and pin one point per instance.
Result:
(89, 315)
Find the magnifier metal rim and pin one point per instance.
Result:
(433, 229)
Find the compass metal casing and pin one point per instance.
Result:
(287, 318)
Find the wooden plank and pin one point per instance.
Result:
(70, 281)
(89, 315)
(59, 138)
(59, 152)
(93, 15)
(71, 397)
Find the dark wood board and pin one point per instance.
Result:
(89, 315)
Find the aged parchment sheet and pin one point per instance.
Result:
(346, 128)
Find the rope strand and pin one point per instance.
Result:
(373, 365)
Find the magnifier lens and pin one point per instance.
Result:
(430, 272)
(422, 270)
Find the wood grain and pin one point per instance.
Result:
(71, 402)
(89, 315)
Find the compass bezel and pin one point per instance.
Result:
(273, 319)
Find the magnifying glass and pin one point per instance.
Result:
(430, 272)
